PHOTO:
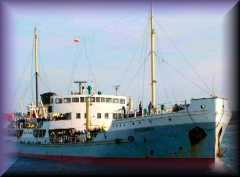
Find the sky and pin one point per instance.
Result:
(114, 48)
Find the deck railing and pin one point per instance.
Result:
(165, 108)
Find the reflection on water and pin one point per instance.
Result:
(230, 148)
(42, 167)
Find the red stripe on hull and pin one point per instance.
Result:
(140, 163)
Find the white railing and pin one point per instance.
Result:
(180, 106)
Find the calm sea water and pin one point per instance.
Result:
(26, 166)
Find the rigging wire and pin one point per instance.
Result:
(25, 90)
(144, 68)
(183, 76)
(30, 74)
(74, 65)
(122, 19)
(128, 66)
(90, 68)
(23, 74)
(40, 79)
(134, 76)
(46, 80)
(163, 85)
(185, 58)
(143, 84)
(132, 59)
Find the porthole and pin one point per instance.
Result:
(203, 106)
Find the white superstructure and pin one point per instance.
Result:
(102, 109)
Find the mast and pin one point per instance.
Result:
(36, 62)
(88, 117)
(153, 56)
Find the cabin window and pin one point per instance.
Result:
(99, 115)
(75, 99)
(67, 100)
(115, 100)
(102, 99)
(58, 100)
(39, 133)
(119, 115)
(106, 115)
(67, 116)
(109, 100)
(78, 115)
(49, 109)
(82, 99)
(114, 115)
(122, 101)
(97, 99)
(92, 99)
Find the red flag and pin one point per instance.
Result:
(76, 40)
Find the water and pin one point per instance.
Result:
(26, 166)
(230, 147)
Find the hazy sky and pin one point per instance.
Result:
(113, 49)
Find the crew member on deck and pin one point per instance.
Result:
(124, 111)
(150, 107)
(140, 108)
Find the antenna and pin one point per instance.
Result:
(116, 88)
(213, 88)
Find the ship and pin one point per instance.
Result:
(97, 128)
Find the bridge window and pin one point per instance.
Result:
(106, 115)
(102, 99)
(67, 100)
(75, 99)
(51, 101)
(78, 115)
(98, 99)
(115, 115)
(99, 115)
(82, 99)
(109, 100)
(115, 100)
(119, 115)
(122, 101)
(58, 100)
(92, 99)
